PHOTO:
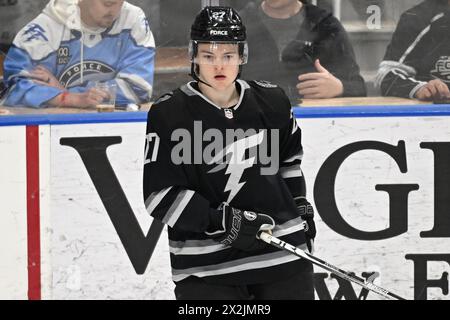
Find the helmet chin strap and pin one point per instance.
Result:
(239, 73)
(193, 74)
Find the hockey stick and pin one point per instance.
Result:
(274, 241)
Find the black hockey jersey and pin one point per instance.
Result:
(419, 50)
(199, 155)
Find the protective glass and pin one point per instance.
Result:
(218, 53)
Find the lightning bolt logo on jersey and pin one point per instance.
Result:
(236, 163)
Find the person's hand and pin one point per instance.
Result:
(319, 85)
(242, 228)
(306, 212)
(434, 89)
(43, 76)
(89, 99)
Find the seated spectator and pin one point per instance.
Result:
(302, 48)
(10, 11)
(417, 61)
(360, 6)
(56, 59)
(14, 14)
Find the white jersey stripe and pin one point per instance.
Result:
(137, 81)
(197, 247)
(177, 207)
(154, 199)
(126, 90)
(419, 37)
(256, 262)
(291, 172)
(298, 156)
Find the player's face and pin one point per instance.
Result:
(100, 13)
(219, 64)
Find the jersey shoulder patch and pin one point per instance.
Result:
(164, 97)
(265, 84)
(40, 37)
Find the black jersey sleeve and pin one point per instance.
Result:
(291, 154)
(336, 54)
(397, 72)
(167, 195)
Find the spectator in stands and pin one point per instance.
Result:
(56, 59)
(360, 6)
(14, 14)
(10, 11)
(417, 61)
(302, 48)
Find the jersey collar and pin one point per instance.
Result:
(191, 91)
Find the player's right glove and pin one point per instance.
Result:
(240, 228)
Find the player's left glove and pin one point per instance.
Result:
(306, 212)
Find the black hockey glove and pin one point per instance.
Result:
(306, 212)
(242, 227)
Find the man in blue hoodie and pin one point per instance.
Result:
(56, 59)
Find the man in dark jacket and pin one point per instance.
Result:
(417, 61)
(302, 48)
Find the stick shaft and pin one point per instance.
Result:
(325, 265)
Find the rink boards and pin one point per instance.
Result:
(73, 224)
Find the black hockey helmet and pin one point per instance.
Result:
(216, 25)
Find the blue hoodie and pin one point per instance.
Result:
(58, 40)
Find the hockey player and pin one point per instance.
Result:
(217, 193)
(56, 59)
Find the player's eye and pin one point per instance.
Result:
(208, 57)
